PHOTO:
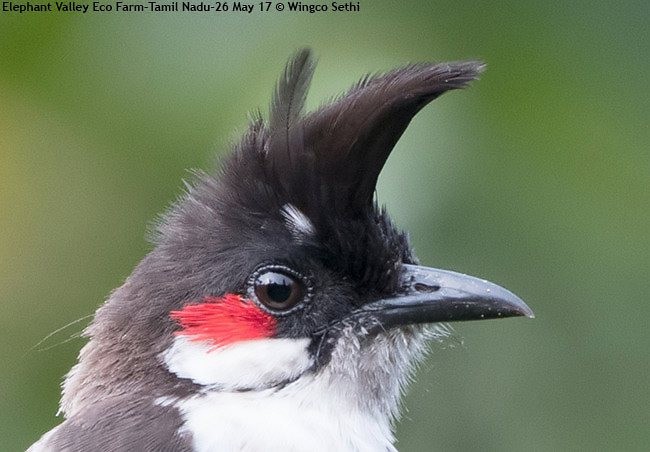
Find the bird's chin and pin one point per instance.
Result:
(377, 363)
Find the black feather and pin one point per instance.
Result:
(290, 95)
(353, 137)
(285, 129)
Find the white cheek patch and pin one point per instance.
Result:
(300, 226)
(253, 364)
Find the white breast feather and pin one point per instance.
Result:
(304, 416)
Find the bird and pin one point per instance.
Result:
(280, 308)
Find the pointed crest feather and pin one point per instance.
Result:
(285, 129)
(291, 93)
(354, 136)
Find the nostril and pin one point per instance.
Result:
(425, 288)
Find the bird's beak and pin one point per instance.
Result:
(430, 295)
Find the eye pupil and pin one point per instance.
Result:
(278, 291)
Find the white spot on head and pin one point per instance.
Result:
(297, 222)
(253, 364)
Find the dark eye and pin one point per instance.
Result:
(278, 291)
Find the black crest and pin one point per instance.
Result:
(328, 161)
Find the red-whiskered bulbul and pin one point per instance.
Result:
(280, 309)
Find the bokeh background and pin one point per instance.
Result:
(537, 177)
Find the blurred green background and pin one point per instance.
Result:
(537, 177)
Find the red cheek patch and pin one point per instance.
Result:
(224, 320)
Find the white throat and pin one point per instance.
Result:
(347, 405)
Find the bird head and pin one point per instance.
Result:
(281, 267)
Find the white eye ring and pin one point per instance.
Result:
(279, 289)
